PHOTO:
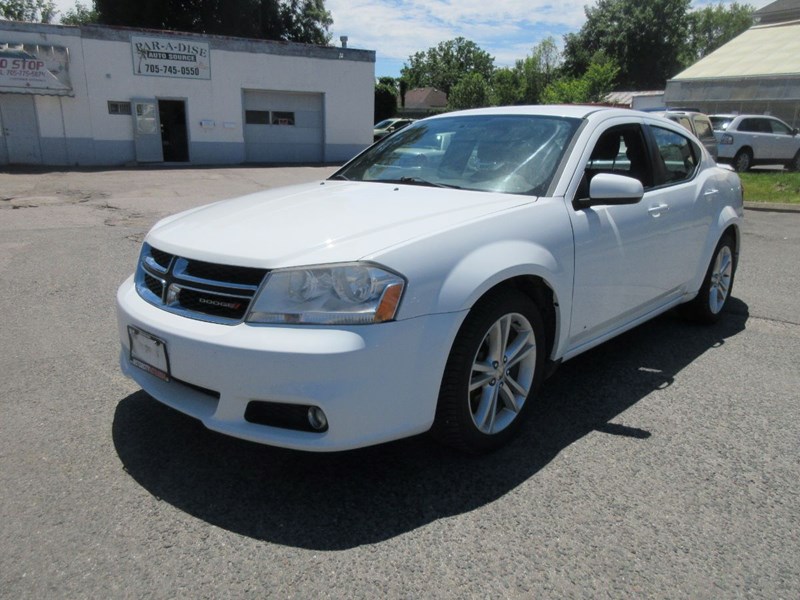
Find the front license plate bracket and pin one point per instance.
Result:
(149, 353)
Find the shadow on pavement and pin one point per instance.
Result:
(343, 500)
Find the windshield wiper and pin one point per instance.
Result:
(420, 181)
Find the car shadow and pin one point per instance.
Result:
(343, 500)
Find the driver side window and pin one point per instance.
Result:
(622, 151)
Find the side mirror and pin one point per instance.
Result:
(608, 188)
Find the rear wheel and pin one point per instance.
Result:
(743, 160)
(716, 289)
(494, 369)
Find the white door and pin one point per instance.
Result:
(623, 254)
(147, 130)
(20, 129)
(283, 127)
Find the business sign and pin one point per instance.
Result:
(34, 69)
(163, 57)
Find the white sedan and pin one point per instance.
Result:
(433, 281)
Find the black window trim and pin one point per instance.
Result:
(659, 171)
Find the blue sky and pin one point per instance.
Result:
(506, 29)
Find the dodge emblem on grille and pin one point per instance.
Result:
(220, 303)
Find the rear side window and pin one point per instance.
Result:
(684, 121)
(755, 126)
(703, 128)
(678, 155)
(720, 123)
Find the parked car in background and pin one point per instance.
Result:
(698, 123)
(388, 126)
(749, 140)
(431, 283)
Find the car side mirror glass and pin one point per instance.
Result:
(608, 188)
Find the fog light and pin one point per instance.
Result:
(317, 418)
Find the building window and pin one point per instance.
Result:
(256, 117)
(282, 118)
(119, 108)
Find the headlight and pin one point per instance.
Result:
(341, 294)
(726, 139)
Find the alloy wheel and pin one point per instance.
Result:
(502, 373)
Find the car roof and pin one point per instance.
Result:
(565, 110)
(748, 116)
(681, 112)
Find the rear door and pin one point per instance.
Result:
(756, 133)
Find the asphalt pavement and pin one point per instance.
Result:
(663, 464)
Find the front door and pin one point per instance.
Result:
(621, 252)
(20, 129)
(174, 140)
(147, 130)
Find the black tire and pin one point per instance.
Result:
(794, 164)
(711, 300)
(480, 420)
(743, 160)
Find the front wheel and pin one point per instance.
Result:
(494, 369)
(716, 289)
(794, 164)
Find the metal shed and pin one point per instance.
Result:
(756, 72)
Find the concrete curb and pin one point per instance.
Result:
(772, 207)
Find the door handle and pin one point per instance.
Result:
(658, 209)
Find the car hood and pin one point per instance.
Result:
(328, 221)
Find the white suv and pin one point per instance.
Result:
(749, 140)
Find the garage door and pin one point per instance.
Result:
(282, 127)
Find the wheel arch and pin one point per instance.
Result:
(728, 223)
(542, 277)
(538, 290)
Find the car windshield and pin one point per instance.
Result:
(720, 123)
(384, 123)
(515, 154)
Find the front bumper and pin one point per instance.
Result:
(375, 383)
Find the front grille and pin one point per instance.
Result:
(196, 289)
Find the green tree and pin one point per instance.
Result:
(442, 66)
(646, 39)
(713, 26)
(385, 101)
(471, 91)
(506, 87)
(38, 11)
(80, 14)
(539, 70)
(592, 86)
(288, 20)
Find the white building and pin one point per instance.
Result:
(95, 95)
